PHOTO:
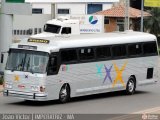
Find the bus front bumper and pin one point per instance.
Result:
(26, 95)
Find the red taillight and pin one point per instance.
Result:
(42, 89)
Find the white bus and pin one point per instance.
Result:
(78, 65)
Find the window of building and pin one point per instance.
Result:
(150, 48)
(119, 50)
(103, 52)
(93, 8)
(37, 11)
(29, 31)
(86, 53)
(68, 56)
(134, 49)
(35, 30)
(63, 11)
(39, 30)
(15, 32)
(120, 24)
(24, 32)
(106, 20)
(21, 32)
(66, 30)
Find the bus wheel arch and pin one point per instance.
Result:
(131, 85)
(64, 94)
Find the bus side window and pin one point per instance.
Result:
(52, 65)
(66, 30)
(134, 49)
(86, 54)
(119, 51)
(68, 56)
(150, 48)
(103, 52)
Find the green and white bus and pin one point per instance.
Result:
(63, 67)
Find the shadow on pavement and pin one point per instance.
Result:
(105, 95)
(76, 99)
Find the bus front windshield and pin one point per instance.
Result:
(27, 61)
(52, 28)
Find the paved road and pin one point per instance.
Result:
(146, 98)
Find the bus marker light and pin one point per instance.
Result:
(60, 81)
(64, 67)
(21, 86)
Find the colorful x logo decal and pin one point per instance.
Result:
(119, 75)
(99, 68)
(108, 74)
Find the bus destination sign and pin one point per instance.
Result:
(38, 41)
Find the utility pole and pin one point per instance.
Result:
(142, 9)
(127, 5)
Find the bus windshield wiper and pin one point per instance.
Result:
(28, 65)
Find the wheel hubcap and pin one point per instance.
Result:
(63, 93)
(131, 86)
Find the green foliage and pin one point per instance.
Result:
(16, 1)
(1, 80)
(152, 24)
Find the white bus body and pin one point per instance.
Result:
(64, 67)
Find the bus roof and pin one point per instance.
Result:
(73, 41)
(61, 21)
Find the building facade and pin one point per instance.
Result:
(50, 9)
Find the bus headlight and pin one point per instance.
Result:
(8, 85)
(35, 88)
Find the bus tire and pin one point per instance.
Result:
(131, 86)
(64, 94)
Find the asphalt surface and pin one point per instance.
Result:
(146, 98)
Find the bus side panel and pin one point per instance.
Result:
(149, 71)
(103, 76)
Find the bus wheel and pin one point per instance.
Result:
(131, 86)
(64, 94)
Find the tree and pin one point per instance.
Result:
(152, 24)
